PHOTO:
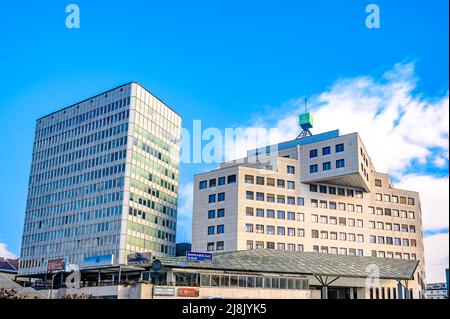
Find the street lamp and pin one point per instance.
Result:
(51, 287)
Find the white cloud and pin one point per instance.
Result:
(434, 195)
(436, 257)
(4, 252)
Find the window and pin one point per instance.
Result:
(212, 198)
(395, 199)
(210, 247)
(221, 181)
(315, 218)
(291, 200)
(270, 245)
(220, 229)
(342, 221)
(231, 179)
(291, 170)
(249, 211)
(324, 234)
(333, 235)
(281, 231)
(411, 215)
(220, 245)
(270, 181)
(281, 246)
(314, 233)
(324, 219)
(300, 217)
(260, 180)
(259, 212)
(270, 213)
(270, 230)
(371, 210)
(212, 182)
(291, 216)
(249, 179)
(379, 197)
(339, 148)
(350, 193)
(260, 229)
(220, 197)
(313, 153)
(410, 201)
(387, 212)
(340, 163)
(281, 199)
(359, 194)
(313, 188)
(313, 168)
(300, 232)
(249, 228)
(259, 196)
(332, 205)
(333, 220)
(323, 204)
(314, 203)
(211, 214)
(326, 150)
(300, 201)
(249, 195)
(203, 184)
(249, 244)
(300, 247)
(326, 166)
(359, 209)
(271, 198)
(402, 200)
(323, 189)
(220, 213)
(341, 206)
(291, 185)
(210, 230)
(372, 239)
(351, 207)
(387, 198)
(332, 190)
(259, 245)
(378, 182)
(280, 183)
(281, 214)
(341, 191)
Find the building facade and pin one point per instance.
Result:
(319, 193)
(103, 181)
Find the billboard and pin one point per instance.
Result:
(98, 260)
(139, 258)
(188, 292)
(56, 264)
(191, 255)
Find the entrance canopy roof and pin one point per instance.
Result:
(301, 263)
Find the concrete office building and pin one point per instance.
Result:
(317, 193)
(103, 181)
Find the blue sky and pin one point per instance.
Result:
(224, 62)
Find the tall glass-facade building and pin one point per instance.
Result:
(103, 181)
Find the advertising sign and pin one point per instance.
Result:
(56, 264)
(188, 292)
(161, 291)
(139, 258)
(98, 260)
(196, 256)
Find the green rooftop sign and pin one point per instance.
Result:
(306, 121)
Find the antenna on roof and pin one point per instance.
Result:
(306, 122)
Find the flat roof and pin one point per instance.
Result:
(105, 92)
(294, 143)
(304, 263)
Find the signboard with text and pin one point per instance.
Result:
(161, 291)
(56, 264)
(197, 256)
(188, 292)
(98, 261)
(139, 258)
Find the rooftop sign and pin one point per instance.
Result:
(196, 256)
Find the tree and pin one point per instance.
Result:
(10, 294)
(77, 296)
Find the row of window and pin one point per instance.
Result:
(392, 241)
(326, 166)
(219, 229)
(220, 197)
(394, 199)
(231, 179)
(390, 226)
(280, 183)
(332, 190)
(326, 150)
